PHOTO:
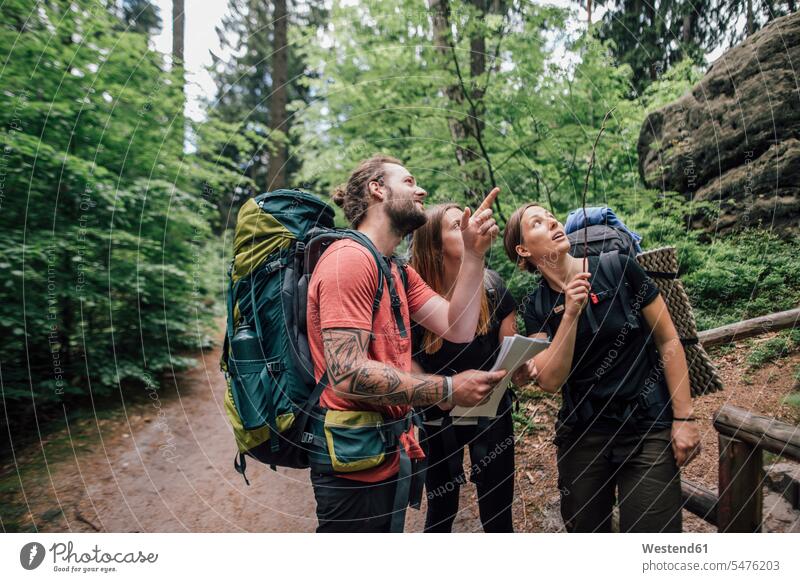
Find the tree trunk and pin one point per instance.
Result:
(477, 70)
(276, 171)
(749, 8)
(688, 29)
(440, 11)
(469, 125)
(589, 13)
(178, 20)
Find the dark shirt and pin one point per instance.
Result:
(613, 367)
(480, 353)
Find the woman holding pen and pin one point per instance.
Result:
(626, 423)
(436, 255)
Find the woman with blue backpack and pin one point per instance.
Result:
(626, 422)
(437, 253)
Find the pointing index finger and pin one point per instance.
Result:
(489, 200)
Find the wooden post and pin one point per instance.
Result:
(741, 475)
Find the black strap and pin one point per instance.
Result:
(311, 403)
(610, 265)
(539, 309)
(591, 318)
(384, 266)
(410, 478)
(318, 237)
(240, 466)
(401, 268)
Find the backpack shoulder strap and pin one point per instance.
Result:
(492, 282)
(611, 267)
(384, 268)
(539, 310)
(402, 268)
(319, 238)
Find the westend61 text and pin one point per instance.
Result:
(675, 549)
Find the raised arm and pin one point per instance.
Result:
(457, 319)
(552, 366)
(354, 376)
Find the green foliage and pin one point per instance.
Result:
(244, 89)
(105, 242)
(381, 86)
(773, 349)
(652, 38)
(792, 399)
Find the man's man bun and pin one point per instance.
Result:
(353, 197)
(338, 195)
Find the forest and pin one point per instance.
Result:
(117, 207)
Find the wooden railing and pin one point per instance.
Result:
(743, 436)
(749, 328)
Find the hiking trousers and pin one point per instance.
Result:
(344, 505)
(491, 452)
(637, 471)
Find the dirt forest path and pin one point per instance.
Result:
(167, 466)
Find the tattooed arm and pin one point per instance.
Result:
(354, 376)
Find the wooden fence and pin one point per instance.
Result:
(743, 436)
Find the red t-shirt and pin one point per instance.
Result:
(340, 295)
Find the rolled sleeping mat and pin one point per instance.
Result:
(662, 266)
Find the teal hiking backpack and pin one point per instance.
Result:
(271, 397)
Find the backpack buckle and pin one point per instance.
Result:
(275, 367)
(307, 438)
(273, 266)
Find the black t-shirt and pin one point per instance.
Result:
(480, 353)
(614, 366)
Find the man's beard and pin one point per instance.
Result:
(404, 214)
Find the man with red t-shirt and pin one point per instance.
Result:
(367, 360)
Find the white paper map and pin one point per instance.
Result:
(514, 352)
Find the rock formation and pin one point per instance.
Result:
(732, 143)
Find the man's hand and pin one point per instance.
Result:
(470, 388)
(685, 442)
(480, 230)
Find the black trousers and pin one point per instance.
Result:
(344, 505)
(639, 470)
(491, 450)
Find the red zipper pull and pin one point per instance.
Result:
(595, 300)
